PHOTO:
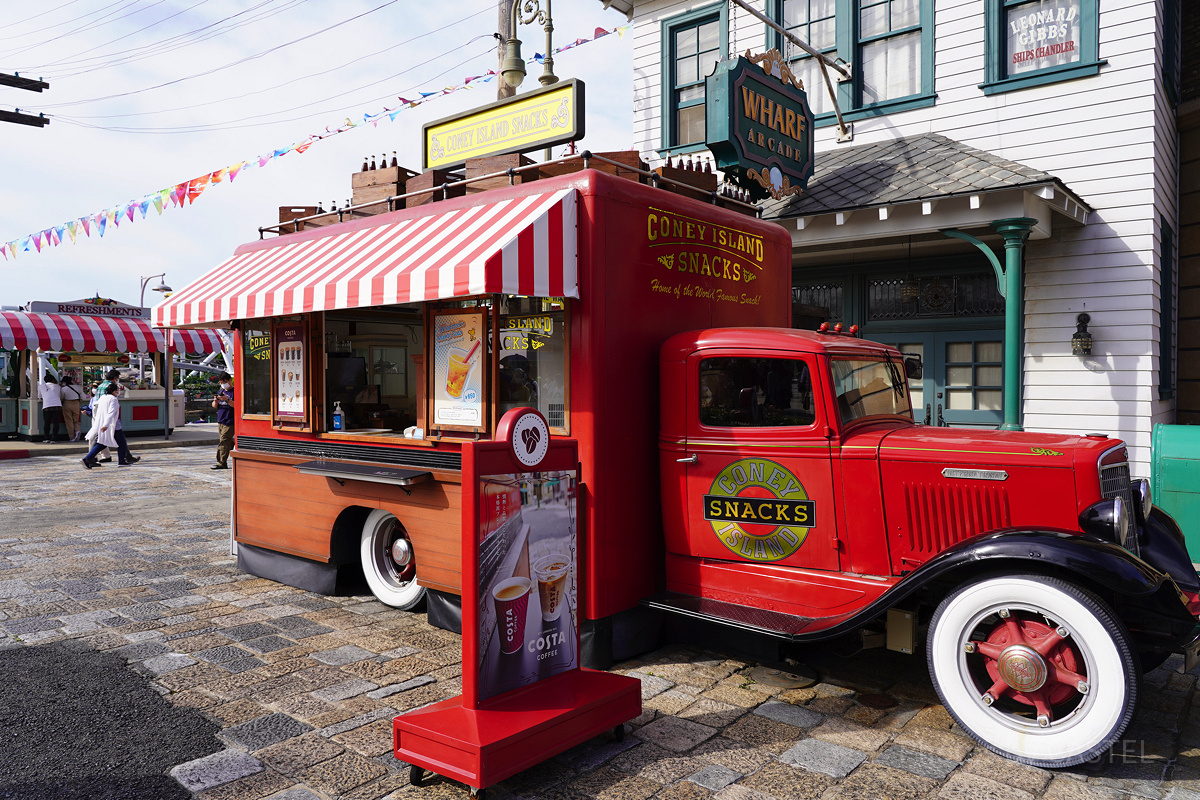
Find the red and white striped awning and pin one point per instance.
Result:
(523, 245)
(83, 333)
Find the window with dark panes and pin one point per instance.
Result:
(532, 358)
(256, 369)
(889, 46)
(695, 50)
(888, 42)
(813, 22)
(755, 393)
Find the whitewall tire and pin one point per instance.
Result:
(388, 561)
(1034, 668)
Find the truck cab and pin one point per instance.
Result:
(801, 501)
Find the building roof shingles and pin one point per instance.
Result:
(902, 170)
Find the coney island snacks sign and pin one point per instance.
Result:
(541, 118)
(760, 125)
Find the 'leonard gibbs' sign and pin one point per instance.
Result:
(96, 306)
(541, 118)
(759, 125)
(689, 248)
(759, 510)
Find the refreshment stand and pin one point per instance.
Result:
(96, 334)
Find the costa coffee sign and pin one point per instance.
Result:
(760, 125)
(95, 306)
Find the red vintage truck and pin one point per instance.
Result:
(733, 471)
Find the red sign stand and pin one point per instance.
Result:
(525, 698)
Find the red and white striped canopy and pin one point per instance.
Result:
(83, 333)
(524, 245)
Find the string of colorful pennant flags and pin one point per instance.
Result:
(189, 191)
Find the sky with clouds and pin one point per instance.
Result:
(147, 94)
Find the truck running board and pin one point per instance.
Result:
(747, 618)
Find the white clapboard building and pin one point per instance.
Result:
(963, 118)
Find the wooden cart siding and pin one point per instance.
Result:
(280, 508)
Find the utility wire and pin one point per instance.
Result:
(224, 66)
(295, 80)
(168, 44)
(227, 127)
(40, 14)
(93, 24)
(57, 24)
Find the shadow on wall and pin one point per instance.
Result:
(79, 724)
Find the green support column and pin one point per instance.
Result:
(1015, 232)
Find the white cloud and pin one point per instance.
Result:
(64, 171)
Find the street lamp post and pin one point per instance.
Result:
(162, 288)
(525, 12)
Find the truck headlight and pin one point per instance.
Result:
(1141, 494)
(1109, 519)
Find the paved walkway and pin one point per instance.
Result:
(203, 434)
(230, 687)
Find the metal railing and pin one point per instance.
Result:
(715, 197)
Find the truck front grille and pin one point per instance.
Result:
(1114, 482)
(940, 515)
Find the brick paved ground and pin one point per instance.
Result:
(303, 688)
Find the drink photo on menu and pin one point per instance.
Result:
(527, 572)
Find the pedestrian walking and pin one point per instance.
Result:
(106, 429)
(52, 420)
(72, 400)
(112, 377)
(223, 403)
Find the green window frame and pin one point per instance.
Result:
(687, 48)
(1042, 27)
(874, 33)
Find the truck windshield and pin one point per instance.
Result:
(867, 387)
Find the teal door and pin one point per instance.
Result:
(963, 380)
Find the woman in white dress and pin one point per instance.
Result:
(106, 411)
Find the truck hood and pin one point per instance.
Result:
(987, 449)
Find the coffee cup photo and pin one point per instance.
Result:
(511, 599)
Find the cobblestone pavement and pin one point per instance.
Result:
(301, 689)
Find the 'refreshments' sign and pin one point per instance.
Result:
(95, 306)
(759, 125)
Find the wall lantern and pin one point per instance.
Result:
(1081, 342)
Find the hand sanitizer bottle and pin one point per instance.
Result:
(337, 415)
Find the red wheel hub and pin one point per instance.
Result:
(1031, 663)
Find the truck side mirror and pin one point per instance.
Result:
(913, 367)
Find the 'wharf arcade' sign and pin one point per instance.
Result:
(760, 125)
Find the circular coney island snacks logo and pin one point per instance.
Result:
(759, 510)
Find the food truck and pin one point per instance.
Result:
(731, 472)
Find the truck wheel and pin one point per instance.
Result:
(1034, 668)
(388, 562)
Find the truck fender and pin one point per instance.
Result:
(1163, 547)
(1148, 600)
(1098, 561)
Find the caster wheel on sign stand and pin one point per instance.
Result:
(478, 794)
(417, 776)
(619, 733)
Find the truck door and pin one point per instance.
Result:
(759, 477)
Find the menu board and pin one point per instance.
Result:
(527, 577)
(456, 388)
(290, 397)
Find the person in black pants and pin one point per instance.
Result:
(223, 403)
